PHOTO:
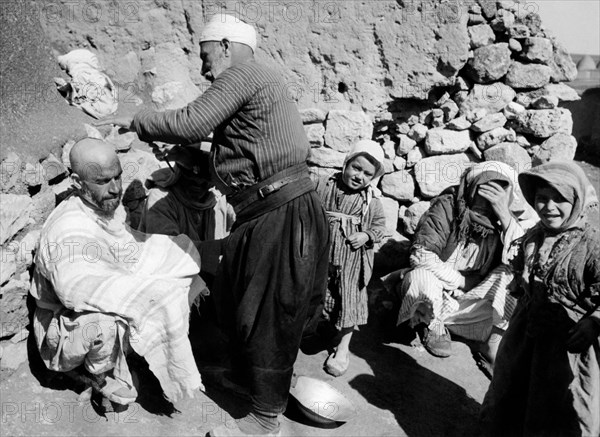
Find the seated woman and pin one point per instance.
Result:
(548, 369)
(459, 277)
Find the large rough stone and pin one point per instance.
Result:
(563, 69)
(489, 98)
(528, 75)
(543, 123)
(8, 264)
(481, 35)
(414, 156)
(315, 133)
(13, 311)
(489, 63)
(450, 109)
(53, 168)
(459, 123)
(488, 8)
(511, 154)
(445, 141)
(418, 132)
(326, 157)
(14, 215)
(390, 210)
(436, 173)
(493, 137)
(562, 91)
(10, 172)
(504, 20)
(489, 122)
(405, 145)
(27, 246)
(344, 128)
(532, 20)
(537, 49)
(399, 185)
(559, 147)
(312, 115)
(545, 102)
(413, 214)
(513, 110)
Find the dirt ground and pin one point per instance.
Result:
(396, 390)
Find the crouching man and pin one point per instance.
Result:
(102, 289)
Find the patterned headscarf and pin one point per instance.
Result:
(570, 181)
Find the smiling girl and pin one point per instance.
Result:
(356, 223)
(547, 380)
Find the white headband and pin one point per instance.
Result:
(222, 26)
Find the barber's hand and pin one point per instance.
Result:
(123, 121)
(582, 335)
(172, 152)
(358, 239)
(499, 199)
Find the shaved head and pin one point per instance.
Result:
(97, 175)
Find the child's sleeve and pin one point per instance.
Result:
(592, 280)
(377, 227)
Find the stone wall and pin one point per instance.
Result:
(439, 85)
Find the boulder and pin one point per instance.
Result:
(14, 215)
(413, 214)
(450, 109)
(528, 75)
(390, 210)
(545, 102)
(489, 98)
(418, 132)
(460, 123)
(494, 137)
(513, 110)
(399, 163)
(511, 154)
(563, 69)
(562, 91)
(405, 145)
(13, 311)
(414, 156)
(489, 63)
(344, 128)
(315, 133)
(481, 35)
(488, 8)
(445, 141)
(9, 263)
(537, 49)
(515, 45)
(399, 185)
(489, 122)
(543, 123)
(10, 171)
(559, 147)
(312, 115)
(53, 168)
(326, 157)
(436, 173)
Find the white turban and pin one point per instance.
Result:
(222, 26)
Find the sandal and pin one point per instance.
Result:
(114, 391)
(335, 367)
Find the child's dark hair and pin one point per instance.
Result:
(369, 158)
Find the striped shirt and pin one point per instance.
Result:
(257, 128)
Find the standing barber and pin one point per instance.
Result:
(274, 267)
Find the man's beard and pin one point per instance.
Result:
(105, 207)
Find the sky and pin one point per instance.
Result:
(576, 23)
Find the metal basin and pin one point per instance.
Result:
(320, 402)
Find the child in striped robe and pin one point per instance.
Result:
(356, 223)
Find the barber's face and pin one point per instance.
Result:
(215, 58)
(102, 187)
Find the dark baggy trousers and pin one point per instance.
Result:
(271, 280)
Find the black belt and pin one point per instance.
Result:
(263, 189)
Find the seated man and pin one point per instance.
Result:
(182, 200)
(102, 289)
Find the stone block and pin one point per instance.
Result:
(489, 122)
(344, 128)
(559, 147)
(489, 98)
(399, 185)
(481, 35)
(326, 157)
(527, 75)
(511, 154)
(543, 123)
(537, 49)
(446, 141)
(436, 173)
(312, 115)
(413, 214)
(494, 137)
(315, 133)
(14, 215)
(489, 63)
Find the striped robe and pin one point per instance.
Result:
(346, 301)
(88, 264)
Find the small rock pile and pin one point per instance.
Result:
(503, 106)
